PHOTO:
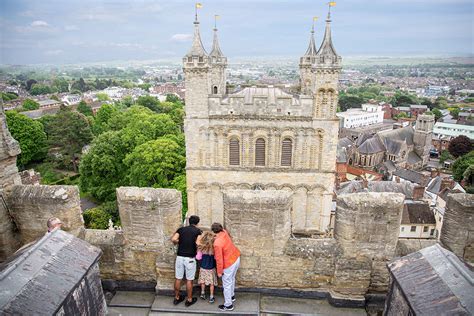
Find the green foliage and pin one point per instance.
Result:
(149, 102)
(38, 89)
(348, 101)
(102, 118)
(8, 96)
(155, 163)
(400, 115)
(84, 108)
(70, 132)
(172, 98)
(96, 218)
(102, 97)
(441, 103)
(61, 85)
(403, 99)
(31, 136)
(145, 86)
(454, 112)
(49, 174)
(460, 146)
(29, 105)
(461, 164)
(437, 113)
(445, 155)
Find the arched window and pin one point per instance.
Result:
(234, 152)
(260, 152)
(286, 152)
(215, 90)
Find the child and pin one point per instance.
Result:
(207, 273)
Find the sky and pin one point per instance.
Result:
(83, 31)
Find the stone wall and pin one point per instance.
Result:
(457, 233)
(9, 149)
(366, 229)
(32, 205)
(9, 237)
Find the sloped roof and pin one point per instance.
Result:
(40, 277)
(413, 158)
(344, 142)
(412, 176)
(354, 186)
(371, 145)
(404, 134)
(417, 213)
(434, 281)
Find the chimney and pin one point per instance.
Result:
(446, 183)
(418, 192)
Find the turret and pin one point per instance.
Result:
(326, 69)
(306, 63)
(218, 67)
(196, 67)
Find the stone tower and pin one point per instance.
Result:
(326, 69)
(423, 136)
(218, 68)
(306, 67)
(196, 66)
(9, 149)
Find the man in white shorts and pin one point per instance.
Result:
(185, 265)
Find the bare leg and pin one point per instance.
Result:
(203, 287)
(211, 288)
(177, 288)
(189, 289)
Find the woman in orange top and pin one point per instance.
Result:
(227, 261)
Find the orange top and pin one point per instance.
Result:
(225, 252)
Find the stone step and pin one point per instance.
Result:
(127, 311)
(137, 299)
(246, 304)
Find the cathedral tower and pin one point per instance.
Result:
(306, 64)
(218, 68)
(423, 135)
(196, 66)
(326, 69)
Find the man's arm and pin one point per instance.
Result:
(175, 238)
(219, 257)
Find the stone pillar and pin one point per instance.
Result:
(457, 233)
(32, 205)
(366, 229)
(9, 149)
(149, 218)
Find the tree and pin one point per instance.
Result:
(8, 96)
(31, 136)
(454, 112)
(149, 102)
(38, 89)
(102, 118)
(70, 131)
(29, 105)
(96, 218)
(400, 99)
(102, 97)
(348, 101)
(460, 146)
(440, 103)
(61, 84)
(461, 164)
(437, 113)
(102, 169)
(445, 155)
(84, 108)
(172, 98)
(30, 83)
(155, 163)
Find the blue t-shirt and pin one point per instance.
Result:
(208, 262)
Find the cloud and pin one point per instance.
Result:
(39, 23)
(54, 52)
(181, 37)
(71, 28)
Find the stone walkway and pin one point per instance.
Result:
(147, 303)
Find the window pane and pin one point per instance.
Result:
(413, 229)
(260, 152)
(286, 152)
(234, 152)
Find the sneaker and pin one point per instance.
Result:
(179, 300)
(226, 308)
(211, 300)
(233, 298)
(188, 303)
(203, 296)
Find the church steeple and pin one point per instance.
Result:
(311, 51)
(306, 64)
(197, 49)
(216, 50)
(218, 65)
(327, 53)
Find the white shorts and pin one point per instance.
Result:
(185, 265)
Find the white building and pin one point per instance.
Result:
(71, 99)
(418, 221)
(369, 114)
(442, 129)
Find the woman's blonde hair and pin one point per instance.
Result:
(207, 242)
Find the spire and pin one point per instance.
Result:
(311, 51)
(216, 50)
(327, 50)
(197, 49)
